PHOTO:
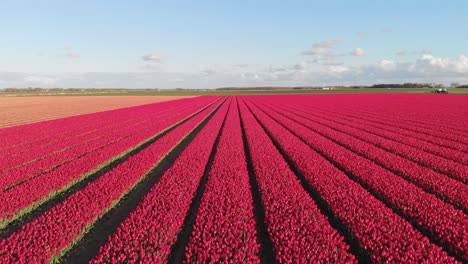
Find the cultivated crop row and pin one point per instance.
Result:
(442, 221)
(431, 135)
(49, 236)
(299, 231)
(451, 190)
(27, 195)
(388, 132)
(381, 234)
(76, 148)
(55, 144)
(150, 230)
(246, 179)
(224, 228)
(48, 132)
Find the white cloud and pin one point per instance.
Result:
(387, 65)
(430, 64)
(151, 57)
(425, 68)
(324, 53)
(338, 69)
(322, 48)
(41, 80)
(300, 66)
(326, 43)
(358, 52)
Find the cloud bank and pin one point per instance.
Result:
(323, 69)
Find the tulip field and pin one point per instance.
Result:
(338, 178)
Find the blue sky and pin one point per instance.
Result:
(206, 44)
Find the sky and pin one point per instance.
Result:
(209, 44)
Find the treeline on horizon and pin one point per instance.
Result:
(375, 86)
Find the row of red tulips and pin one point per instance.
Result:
(53, 160)
(26, 154)
(419, 123)
(24, 197)
(441, 221)
(426, 113)
(418, 109)
(449, 167)
(224, 228)
(50, 235)
(300, 233)
(19, 138)
(380, 116)
(389, 132)
(150, 230)
(453, 191)
(407, 130)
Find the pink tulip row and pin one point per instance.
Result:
(453, 169)
(381, 233)
(446, 166)
(431, 135)
(413, 109)
(441, 221)
(425, 115)
(224, 229)
(49, 236)
(46, 132)
(57, 144)
(392, 125)
(389, 133)
(408, 130)
(299, 231)
(400, 120)
(75, 136)
(150, 230)
(451, 190)
(38, 189)
(53, 160)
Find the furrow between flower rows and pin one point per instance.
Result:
(149, 232)
(51, 235)
(26, 197)
(442, 222)
(448, 189)
(382, 234)
(27, 154)
(224, 228)
(299, 231)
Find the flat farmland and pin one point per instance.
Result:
(23, 110)
(338, 178)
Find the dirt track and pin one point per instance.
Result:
(22, 110)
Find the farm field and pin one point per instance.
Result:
(22, 110)
(336, 178)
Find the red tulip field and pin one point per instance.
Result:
(338, 178)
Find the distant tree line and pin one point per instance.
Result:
(404, 85)
(264, 88)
